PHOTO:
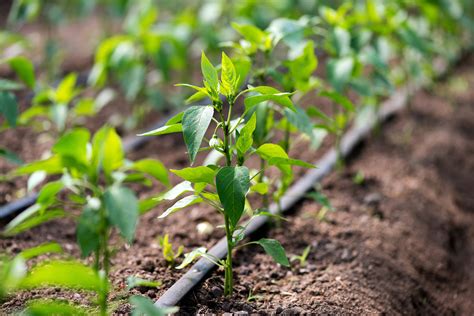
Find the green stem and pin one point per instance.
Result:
(260, 180)
(228, 272)
(286, 144)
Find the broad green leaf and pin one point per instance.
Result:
(49, 247)
(339, 72)
(196, 174)
(269, 94)
(313, 111)
(10, 156)
(251, 33)
(87, 233)
(143, 306)
(191, 256)
(300, 120)
(268, 151)
(66, 274)
(24, 69)
(196, 120)
(302, 67)
(209, 72)
(228, 76)
(245, 140)
(154, 168)
(9, 107)
(133, 281)
(232, 184)
(339, 99)
(73, 145)
(107, 151)
(180, 204)
(273, 248)
(52, 307)
(261, 188)
(122, 210)
(341, 41)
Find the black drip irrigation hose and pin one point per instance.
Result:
(296, 192)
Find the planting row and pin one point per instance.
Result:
(250, 109)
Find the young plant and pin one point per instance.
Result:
(94, 175)
(225, 187)
(167, 250)
(303, 257)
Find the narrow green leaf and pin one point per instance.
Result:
(122, 210)
(191, 256)
(133, 281)
(273, 248)
(232, 185)
(9, 107)
(166, 129)
(339, 99)
(209, 72)
(52, 307)
(49, 247)
(339, 72)
(180, 204)
(196, 174)
(51, 165)
(10, 156)
(154, 168)
(8, 85)
(196, 120)
(48, 193)
(228, 76)
(245, 140)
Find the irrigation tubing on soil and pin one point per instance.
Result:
(298, 190)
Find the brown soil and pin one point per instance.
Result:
(400, 243)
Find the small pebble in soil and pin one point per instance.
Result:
(293, 311)
(149, 266)
(373, 199)
(216, 291)
(151, 294)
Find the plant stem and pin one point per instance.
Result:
(260, 180)
(228, 272)
(286, 143)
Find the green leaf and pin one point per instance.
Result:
(196, 174)
(209, 72)
(166, 129)
(176, 191)
(191, 256)
(143, 306)
(24, 70)
(273, 248)
(10, 156)
(52, 307)
(122, 210)
(146, 205)
(72, 275)
(9, 107)
(339, 99)
(278, 161)
(133, 281)
(180, 204)
(269, 94)
(48, 193)
(196, 120)
(232, 184)
(51, 165)
(261, 188)
(26, 223)
(153, 167)
(107, 151)
(88, 226)
(268, 151)
(66, 89)
(251, 33)
(49, 247)
(6, 85)
(245, 140)
(73, 145)
(300, 120)
(320, 198)
(339, 72)
(228, 76)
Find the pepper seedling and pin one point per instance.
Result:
(225, 187)
(92, 189)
